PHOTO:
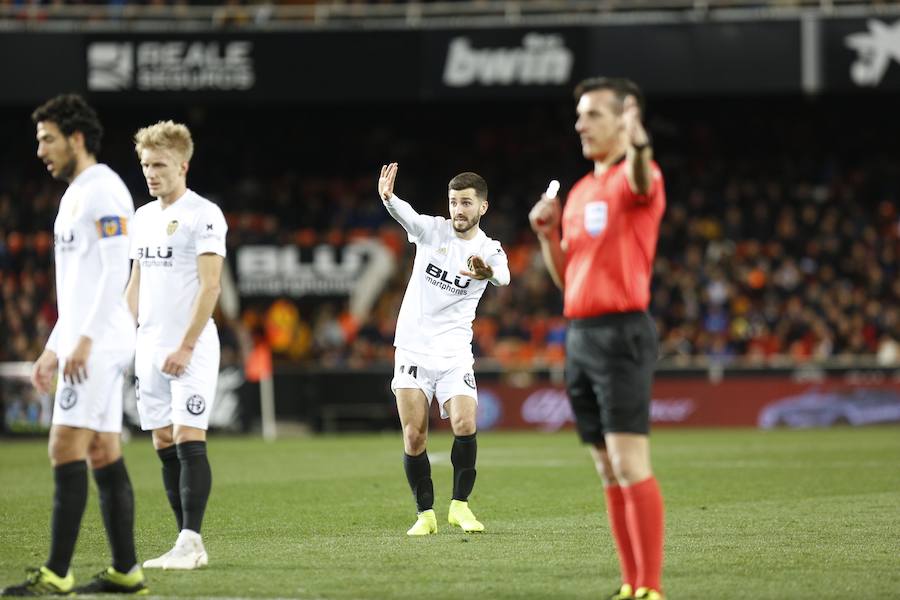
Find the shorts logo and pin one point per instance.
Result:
(195, 404)
(469, 378)
(67, 398)
(171, 227)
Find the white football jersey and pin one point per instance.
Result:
(439, 305)
(167, 243)
(92, 225)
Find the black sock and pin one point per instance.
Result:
(69, 499)
(195, 484)
(465, 449)
(171, 473)
(117, 508)
(418, 474)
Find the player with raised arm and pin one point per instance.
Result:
(603, 263)
(454, 262)
(178, 247)
(89, 349)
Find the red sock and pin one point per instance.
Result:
(615, 510)
(644, 515)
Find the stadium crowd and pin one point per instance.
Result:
(773, 250)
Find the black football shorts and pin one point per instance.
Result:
(609, 373)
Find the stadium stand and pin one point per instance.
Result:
(773, 250)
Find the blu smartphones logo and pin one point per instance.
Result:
(875, 50)
(170, 66)
(540, 60)
(360, 269)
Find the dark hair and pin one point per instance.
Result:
(621, 87)
(71, 113)
(470, 180)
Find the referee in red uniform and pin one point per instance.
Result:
(603, 262)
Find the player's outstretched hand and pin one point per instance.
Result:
(177, 362)
(478, 269)
(42, 371)
(75, 369)
(386, 181)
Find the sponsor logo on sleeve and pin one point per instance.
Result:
(208, 231)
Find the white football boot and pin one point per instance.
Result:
(188, 552)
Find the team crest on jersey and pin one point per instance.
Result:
(171, 227)
(469, 378)
(442, 250)
(195, 404)
(67, 398)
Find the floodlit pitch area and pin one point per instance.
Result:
(786, 514)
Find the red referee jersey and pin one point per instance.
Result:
(609, 237)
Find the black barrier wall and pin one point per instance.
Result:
(808, 54)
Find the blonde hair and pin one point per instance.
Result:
(166, 135)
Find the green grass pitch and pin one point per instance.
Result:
(786, 514)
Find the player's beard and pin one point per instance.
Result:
(469, 224)
(67, 170)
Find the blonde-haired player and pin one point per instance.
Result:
(178, 247)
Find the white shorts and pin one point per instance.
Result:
(437, 376)
(163, 400)
(95, 403)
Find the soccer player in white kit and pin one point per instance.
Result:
(89, 349)
(178, 246)
(454, 262)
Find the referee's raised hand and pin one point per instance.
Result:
(386, 181)
(631, 121)
(544, 216)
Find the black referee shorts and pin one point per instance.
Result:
(609, 373)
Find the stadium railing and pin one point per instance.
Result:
(411, 14)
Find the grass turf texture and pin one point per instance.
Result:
(786, 514)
